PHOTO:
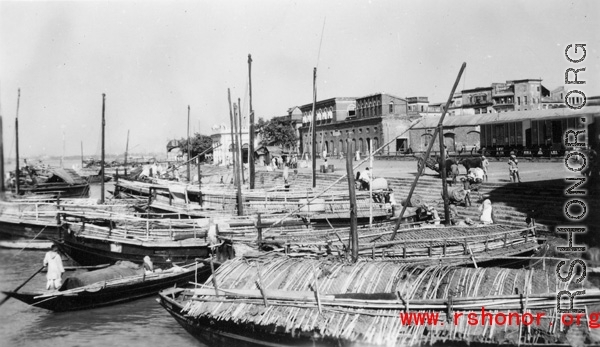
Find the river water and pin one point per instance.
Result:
(139, 323)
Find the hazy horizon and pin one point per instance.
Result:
(153, 59)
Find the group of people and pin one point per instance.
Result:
(486, 215)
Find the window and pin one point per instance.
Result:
(538, 88)
(525, 100)
(391, 107)
(518, 100)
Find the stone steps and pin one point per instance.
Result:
(512, 202)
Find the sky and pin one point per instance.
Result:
(153, 59)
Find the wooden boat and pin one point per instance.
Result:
(285, 302)
(416, 242)
(96, 238)
(173, 199)
(59, 181)
(31, 223)
(110, 291)
(90, 244)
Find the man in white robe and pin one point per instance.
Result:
(55, 268)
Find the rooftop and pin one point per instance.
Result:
(503, 117)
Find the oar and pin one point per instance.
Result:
(21, 286)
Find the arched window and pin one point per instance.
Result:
(425, 140)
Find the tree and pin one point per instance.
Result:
(277, 132)
(200, 144)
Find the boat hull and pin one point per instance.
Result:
(109, 295)
(214, 333)
(71, 191)
(95, 251)
(15, 229)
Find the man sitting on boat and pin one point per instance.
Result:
(55, 268)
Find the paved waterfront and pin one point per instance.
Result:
(498, 169)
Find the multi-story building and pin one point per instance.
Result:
(418, 104)
(478, 99)
(503, 97)
(515, 95)
(528, 94)
(367, 122)
(456, 107)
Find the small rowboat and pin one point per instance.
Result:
(113, 291)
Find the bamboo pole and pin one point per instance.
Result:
(251, 128)
(353, 227)
(126, 154)
(102, 159)
(239, 140)
(420, 172)
(17, 184)
(443, 173)
(189, 148)
(232, 147)
(370, 184)
(314, 131)
(240, 206)
(199, 181)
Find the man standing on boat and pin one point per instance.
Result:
(55, 268)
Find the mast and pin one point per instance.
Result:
(239, 141)
(352, 193)
(82, 154)
(251, 127)
(443, 171)
(102, 158)
(240, 206)
(199, 170)
(232, 148)
(126, 153)
(189, 150)
(438, 128)
(17, 175)
(314, 131)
